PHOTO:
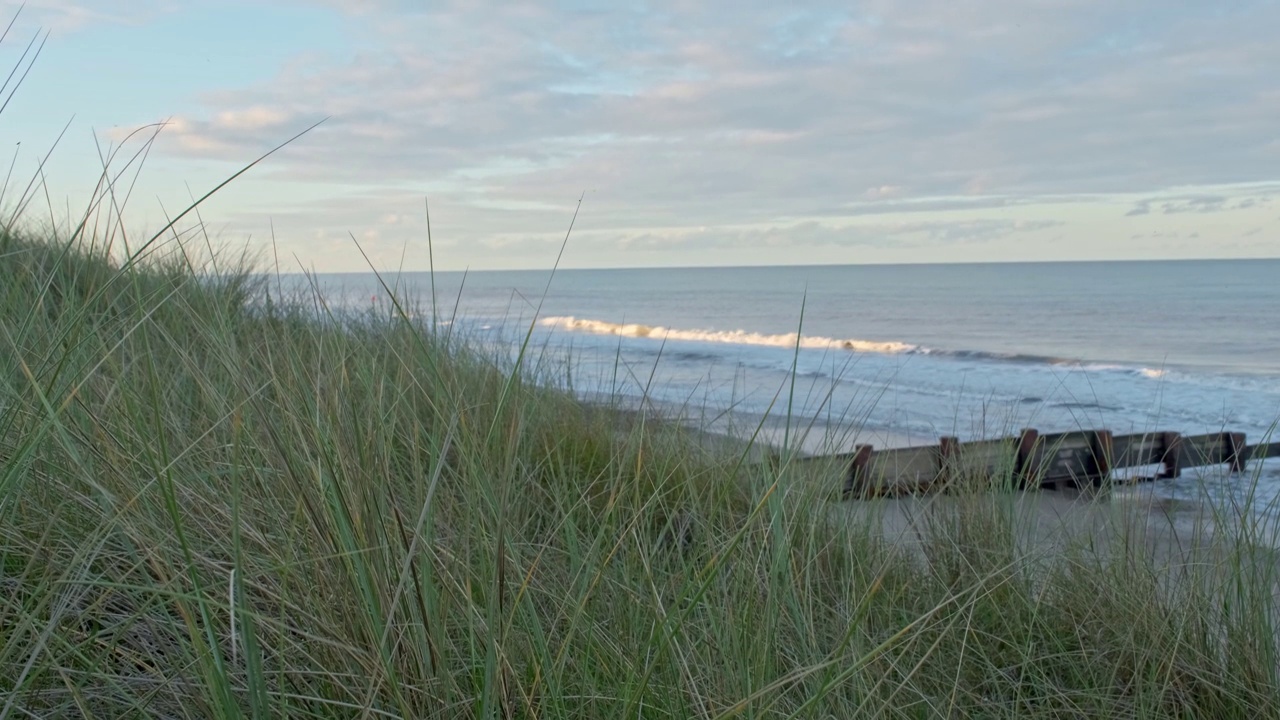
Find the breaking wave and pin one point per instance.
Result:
(818, 342)
(731, 337)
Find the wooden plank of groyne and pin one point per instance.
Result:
(1262, 451)
(1137, 450)
(1066, 458)
(1229, 448)
(1198, 450)
(902, 470)
(983, 461)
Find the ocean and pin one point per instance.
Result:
(831, 356)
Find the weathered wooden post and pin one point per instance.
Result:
(948, 460)
(1103, 443)
(858, 466)
(1233, 448)
(1024, 466)
(1170, 455)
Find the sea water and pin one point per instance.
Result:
(888, 354)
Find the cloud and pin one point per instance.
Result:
(716, 114)
(818, 234)
(64, 17)
(1199, 204)
(252, 119)
(884, 192)
(1178, 205)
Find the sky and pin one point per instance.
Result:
(690, 133)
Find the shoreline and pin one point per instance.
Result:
(810, 436)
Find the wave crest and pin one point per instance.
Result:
(817, 342)
(732, 337)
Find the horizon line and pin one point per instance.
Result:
(966, 263)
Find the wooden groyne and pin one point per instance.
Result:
(1031, 459)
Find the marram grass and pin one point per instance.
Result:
(212, 507)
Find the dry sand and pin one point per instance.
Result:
(1049, 522)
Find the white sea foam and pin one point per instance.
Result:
(818, 342)
(733, 337)
(1146, 372)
